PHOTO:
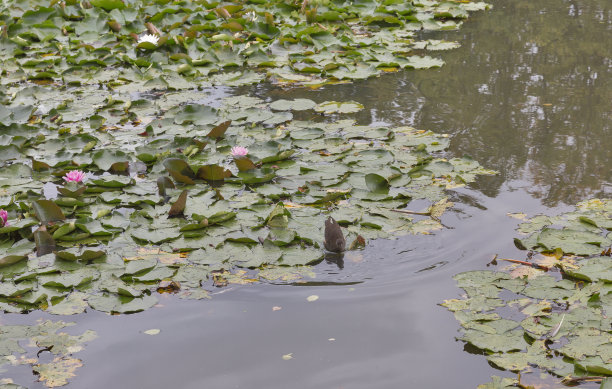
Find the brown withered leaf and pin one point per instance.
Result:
(358, 243)
(219, 131)
(168, 287)
(57, 372)
(178, 207)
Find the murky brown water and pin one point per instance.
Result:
(529, 93)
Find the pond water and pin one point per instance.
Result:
(527, 94)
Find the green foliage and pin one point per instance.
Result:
(558, 322)
(43, 337)
(295, 175)
(295, 42)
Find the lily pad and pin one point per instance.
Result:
(328, 107)
(47, 211)
(572, 308)
(293, 105)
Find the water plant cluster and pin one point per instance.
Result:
(208, 189)
(551, 311)
(173, 43)
(25, 340)
(123, 175)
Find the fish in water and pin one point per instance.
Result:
(334, 238)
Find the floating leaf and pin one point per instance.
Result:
(79, 253)
(244, 164)
(108, 5)
(57, 372)
(47, 211)
(74, 304)
(294, 105)
(179, 170)
(328, 107)
(213, 173)
(105, 159)
(377, 183)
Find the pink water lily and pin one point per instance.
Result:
(74, 176)
(239, 151)
(3, 217)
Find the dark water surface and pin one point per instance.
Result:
(529, 94)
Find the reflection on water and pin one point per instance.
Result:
(529, 94)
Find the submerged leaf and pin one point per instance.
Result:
(44, 242)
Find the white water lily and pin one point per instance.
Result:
(251, 15)
(149, 38)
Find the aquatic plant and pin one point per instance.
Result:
(74, 176)
(552, 310)
(239, 151)
(198, 43)
(3, 217)
(149, 38)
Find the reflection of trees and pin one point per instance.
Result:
(529, 94)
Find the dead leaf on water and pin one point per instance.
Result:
(520, 271)
(22, 360)
(57, 372)
(425, 226)
(223, 278)
(162, 256)
(518, 215)
(437, 210)
(353, 257)
(289, 204)
(546, 260)
(167, 286)
(286, 273)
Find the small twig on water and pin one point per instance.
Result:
(412, 212)
(526, 263)
(569, 380)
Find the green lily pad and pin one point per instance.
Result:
(114, 304)
(108, 5)
(293, 105)
(47, 211)
(555, 308)
(377, 183)
(328, 107)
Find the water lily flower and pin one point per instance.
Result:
(251, 15)
(74, 176)
(148, 38)
(239, 151)
(3, 217)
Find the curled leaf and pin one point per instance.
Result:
(178, 207)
